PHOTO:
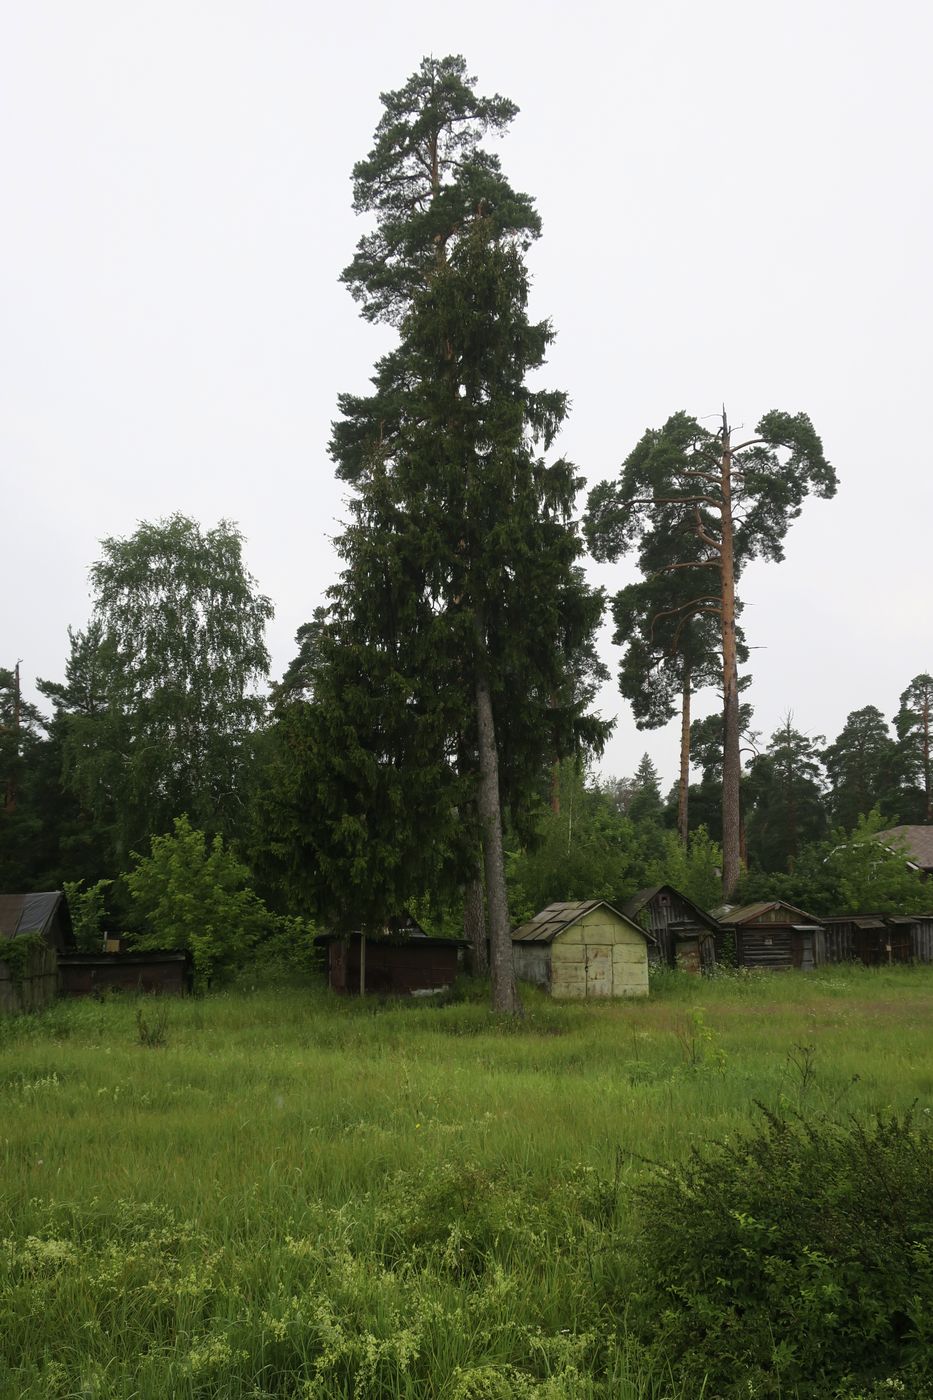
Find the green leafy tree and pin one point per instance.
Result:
(864, 769)
(192, 893)
(88, 910)
(462, 604)
(914, 725)
(160, 699)
(731, 502)
(784, 798)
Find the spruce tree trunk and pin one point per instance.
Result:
(683, 791)
(474, 923)
(501, 966)
(731, 758)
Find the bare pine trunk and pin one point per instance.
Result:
(474, 924)
(731, 758)
(501, 967)
(926, 755)
(683, 791)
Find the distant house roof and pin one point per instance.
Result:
(633, 907)
(748, 913)
(557, 918)
(916, 842)
(46, 914)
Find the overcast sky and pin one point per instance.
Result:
(737, 204)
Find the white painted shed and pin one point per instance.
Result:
(583, 949)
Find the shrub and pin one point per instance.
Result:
(797, 1261)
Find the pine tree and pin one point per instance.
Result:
(914, 725)
(864, 769)
(459, 635)
(729, 502)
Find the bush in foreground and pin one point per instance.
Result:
(795, 1262)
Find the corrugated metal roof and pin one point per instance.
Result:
(556, 918)
(28, 913)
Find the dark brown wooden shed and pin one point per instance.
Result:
(774, 934)
(879, 940)
(684, 936)
(27, 984)
(407, 962)
(91, 974)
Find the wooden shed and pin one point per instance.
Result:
(91, 974)
(400, 962)
(879, 940)
(683, 935)
(583, 949)
(774, 934)
(29, 983)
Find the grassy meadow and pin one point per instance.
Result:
(298, 1196)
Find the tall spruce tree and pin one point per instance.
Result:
(461, 581)
(729, 502)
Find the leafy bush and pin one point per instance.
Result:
(798, 1261)
(87, 909)
(195, 895)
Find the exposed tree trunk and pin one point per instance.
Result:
(731, 757)
(501, 966)
(9, 804)
(474, 923)
(683, 791)
(926, 755)
(555, 786)
(362, 964)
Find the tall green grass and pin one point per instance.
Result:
(300, 1196)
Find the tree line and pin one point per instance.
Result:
(419, 743)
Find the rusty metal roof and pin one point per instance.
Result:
(748, 913)
(556, 918)
(914, 842)
(31, 913)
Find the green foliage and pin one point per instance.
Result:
(872, 876)
(87, 909)
(193, 894)
(460, 560)
(864, 769)
(914, 725)
(797, 1260)
(19, 953)
(848, 873)
(696, 871)
(784, 799)
(159, 702)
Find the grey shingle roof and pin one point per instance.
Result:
(915, 841)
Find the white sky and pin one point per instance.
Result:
(737, 205)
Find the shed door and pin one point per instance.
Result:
(598, 970)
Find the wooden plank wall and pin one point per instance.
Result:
(38, 987)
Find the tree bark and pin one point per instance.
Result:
(474, 923)
(362, 964)
(501, 966)
(683, 792)
(731, 757)
(926, 754)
